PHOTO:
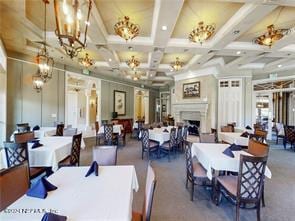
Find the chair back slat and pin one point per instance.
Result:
(75, 151)
(59, 129)
(179, 134)
(23, 137)
(173, 140)
(149, 193)
(14, 183)
(105, 155)
(16, 153)
(108, 134)
(189, 162)
(251, 178)
(145, 140)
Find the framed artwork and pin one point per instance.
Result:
(192, 90)
(120, 102)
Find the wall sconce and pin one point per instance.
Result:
(92, 102)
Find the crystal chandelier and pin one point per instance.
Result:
(133, 63)
(134, 75)
(126, 29)
(177, 65)
(44, 61)
(71, 25)
(271, 36)
(86, 61)
(37, 81)
(201, 33)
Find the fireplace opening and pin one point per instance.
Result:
(193, 127)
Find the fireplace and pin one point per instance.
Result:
(193, 127)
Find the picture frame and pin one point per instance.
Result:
(192, 90)
(120, 102)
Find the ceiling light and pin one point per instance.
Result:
(201, 33)
(164, 28)
(130, 48)
(133, 63)
(72, 21)
(279, 66)
(271, 36)
(86, 61)
(126, 29)
(110, 59)
(238, 52)
(177, 65)
(235, 32)
(44, 61)
(37, 81)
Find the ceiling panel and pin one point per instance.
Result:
(210, 12)
(281, 17)
(139, 11)
(171, 57)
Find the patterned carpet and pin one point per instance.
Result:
(172, 199)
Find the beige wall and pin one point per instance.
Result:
(24, 104)
(208, 91)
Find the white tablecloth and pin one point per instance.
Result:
(211, 157)
(243, 129)
(233, 138)
(108, 196)
(116, 129)
(43, 132)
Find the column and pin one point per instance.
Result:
(87, 94)
(203, 122)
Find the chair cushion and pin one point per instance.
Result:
(153, 144)
(36, 171)
(230, 183)
(199, 170)
(136, 216)
(166, 145)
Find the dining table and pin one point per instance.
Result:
(212, 158)
(117, 128)
(108, 196)
(233, 138)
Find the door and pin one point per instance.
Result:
(72, 109)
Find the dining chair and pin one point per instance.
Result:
(226, 129)
(105, 155)
(23, 127)
(150, 186)
(195, 172)
(109, 137)
(280, 132)
(23, 137)
(59, 129)
(98, 136)
(259, 135)
(207, 138)
(289, 137)
(74, 158)
(17, 153)
(148, 145)
(184, 134)
(122, 137)
(246, 188)
(169, 145)
(214, 131)
(14, 183)
(179, 138)
(69, 132)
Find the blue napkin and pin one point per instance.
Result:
(40, 189)
(151, 128)
(53, 217)
(93, 169)
(36, 144)
(245, 134)
(248, 127)
(228, 152)
(165, 130)
(36, 128)
(235, 147)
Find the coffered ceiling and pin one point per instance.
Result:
(231, 47)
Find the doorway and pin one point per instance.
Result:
(141, 105)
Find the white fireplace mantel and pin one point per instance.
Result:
(201, 107)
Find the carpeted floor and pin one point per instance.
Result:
(172, 199)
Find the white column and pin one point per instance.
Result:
(98, 113)
(87, 94)
(203, 122)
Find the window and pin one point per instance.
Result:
(235, 83)
(223, 83)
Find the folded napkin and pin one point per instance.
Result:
(151, 128)
(40, 189)
(165, 130)
(245, 134)
(53, 217)
(228, 152)
(36, 128)
(36, 145)
(248, 127)
(235, 147)
(93, 169)
(159, 126)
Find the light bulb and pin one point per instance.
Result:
(79, 14)
(65, 7)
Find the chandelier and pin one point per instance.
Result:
(72, 22)
(177, 65)
(133, 63)
(86, 61)
(271, 36)
(37, 81)
(126, 29)
(201, 33)
(134, 75)
(44, 61)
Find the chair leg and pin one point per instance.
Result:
(169, 155)
(238, 212)
(258, 211)
(263, 202)
(192, 192)
(186, 183)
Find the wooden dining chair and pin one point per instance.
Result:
(59, 130)
(207, 138)
(150, 186)
(195, 172)
(74, 158)
(105, 155)
(17, 153)
(259, 135)
(14, 183)
(148, 146)
(23, 137)
(289, 137)
(179, 138)
(246, 188)
(23, 127)
(226, 129)
(169, 145)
